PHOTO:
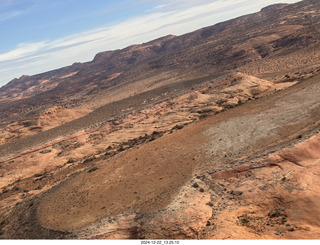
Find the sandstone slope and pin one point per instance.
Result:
(199, 179)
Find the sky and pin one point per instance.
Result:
(41, 35)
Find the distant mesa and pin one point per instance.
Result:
(76, 64)
(274, 7)
(24, 77)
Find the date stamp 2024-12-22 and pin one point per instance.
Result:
(161, 242)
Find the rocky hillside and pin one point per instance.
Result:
(264, 43)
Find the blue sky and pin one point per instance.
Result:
(41, 35)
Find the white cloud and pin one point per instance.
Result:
(22, 50)
(167, 19)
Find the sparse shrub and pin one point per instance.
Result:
(244, 221)
(230, 106)
(89, 160)
(276, 213)
(152, 139)
(236, 193)
(45, 151)
(195, 185)
(255, 91)
(70, 160)
(201, 190)
(121, 148)
(177, 127)
(203, 116)
(204, 111)
(95, 168)
(193, 96)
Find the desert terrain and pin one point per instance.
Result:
(214, 134)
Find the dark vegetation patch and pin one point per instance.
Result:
(45, 151)
(24, 216)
